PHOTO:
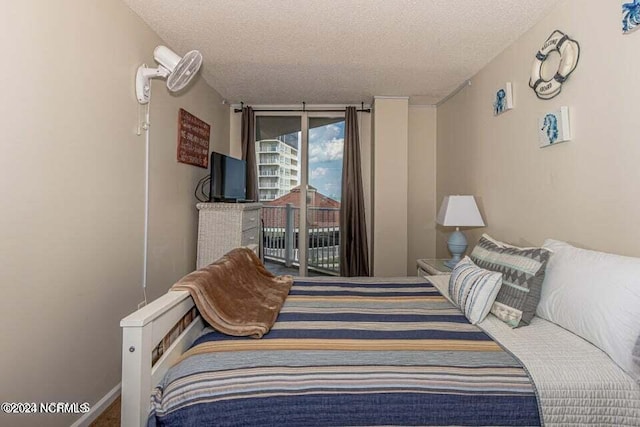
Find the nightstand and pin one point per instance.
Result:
(432, 267)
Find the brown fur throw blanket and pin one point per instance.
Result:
(237, 295)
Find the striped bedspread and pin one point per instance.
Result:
(351, 352)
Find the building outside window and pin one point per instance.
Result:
(277, 168)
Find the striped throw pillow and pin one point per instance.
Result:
(522, 271)
(473, 289)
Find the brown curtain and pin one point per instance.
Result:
(354, 251)
(248, 136)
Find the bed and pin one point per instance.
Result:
(336, 356)
(577, 383)
(351, 352)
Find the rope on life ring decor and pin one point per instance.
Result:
(569, 51)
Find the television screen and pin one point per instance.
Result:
(228, 179)
(233, 182)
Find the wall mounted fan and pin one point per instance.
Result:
(177, 70)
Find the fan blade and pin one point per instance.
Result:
(184, 71)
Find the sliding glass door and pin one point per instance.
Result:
(324, 166)
(299, 158)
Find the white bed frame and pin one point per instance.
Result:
(141, 333)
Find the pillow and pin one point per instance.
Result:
(596, 296)
(473, 289)
(522, 274)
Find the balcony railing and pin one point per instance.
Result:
(281, 228)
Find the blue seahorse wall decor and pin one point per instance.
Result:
(630, 16)
(551, 127)
(500, 104)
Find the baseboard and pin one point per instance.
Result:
(99, 407)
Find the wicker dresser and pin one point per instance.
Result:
(224, 226)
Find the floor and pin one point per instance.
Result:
(280, 269)
(110, 417)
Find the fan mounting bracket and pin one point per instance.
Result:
(143, 81)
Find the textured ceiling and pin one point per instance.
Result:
(340, 51)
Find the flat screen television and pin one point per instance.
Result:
(228, 179)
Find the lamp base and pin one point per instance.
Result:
(457, 244)
(451, 263)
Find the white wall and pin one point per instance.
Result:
(421, 186)
(72, 186)
(584, 191)
(390, 175)
(235, 133)
(366, 153)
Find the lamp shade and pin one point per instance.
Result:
(459, 211)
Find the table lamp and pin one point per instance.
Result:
(458, 211)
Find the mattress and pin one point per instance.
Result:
(577, 383)
(351, 352)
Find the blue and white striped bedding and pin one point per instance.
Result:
(351, 352)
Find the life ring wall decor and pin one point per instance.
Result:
(569, 51)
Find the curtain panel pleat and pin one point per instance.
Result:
(354, 252)
(248, 137)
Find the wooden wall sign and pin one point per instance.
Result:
(193, 140)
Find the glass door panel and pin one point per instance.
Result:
(299, 158)
(278, 157)
(324, 172)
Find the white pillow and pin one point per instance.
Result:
(473, 289)
(597, 296)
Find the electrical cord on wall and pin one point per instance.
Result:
(146, 125)
(201, 191)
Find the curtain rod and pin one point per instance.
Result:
(366, 110)
(304, 109)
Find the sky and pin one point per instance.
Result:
(326, 145)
